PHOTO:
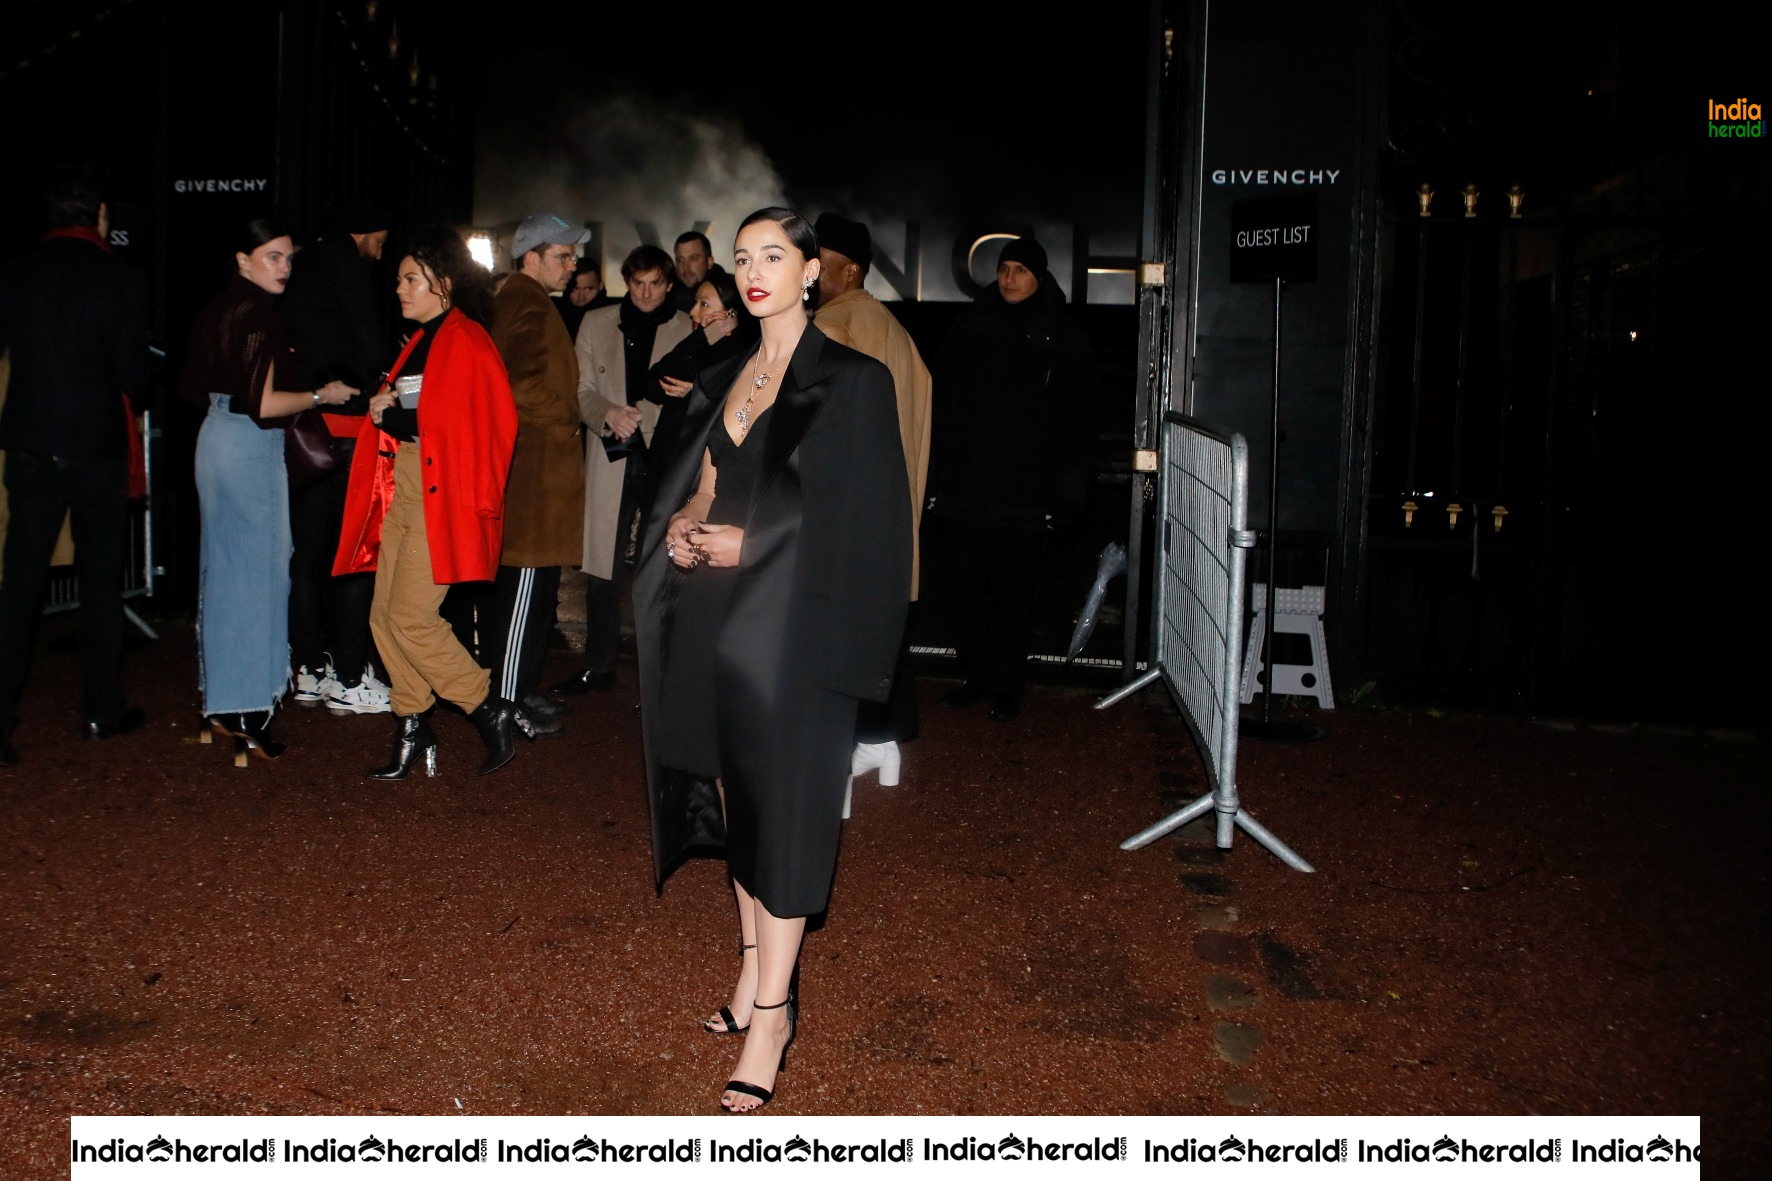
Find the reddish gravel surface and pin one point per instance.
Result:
(1509, 916)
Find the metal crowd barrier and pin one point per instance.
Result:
(63, 593)
(1198, 597)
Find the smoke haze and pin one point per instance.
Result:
(629, 164)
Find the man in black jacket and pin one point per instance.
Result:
(1017, 417)
(75, 322)
(338, 322)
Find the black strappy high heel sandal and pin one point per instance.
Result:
(752, 1089)
(723, 1023)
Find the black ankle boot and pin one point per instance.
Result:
(251, 733)
(496, 719)
(256, 729)
(413, 739)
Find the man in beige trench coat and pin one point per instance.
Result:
(619, 405)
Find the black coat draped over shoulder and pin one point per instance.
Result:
(818, 606)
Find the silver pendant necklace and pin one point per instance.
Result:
(742, 416)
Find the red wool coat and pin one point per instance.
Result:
(467, 428)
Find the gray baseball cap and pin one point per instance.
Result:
(540, 229)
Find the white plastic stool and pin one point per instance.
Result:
(1298, 610)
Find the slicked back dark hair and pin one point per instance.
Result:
(444, 253)
(797, 228)
(250, 235)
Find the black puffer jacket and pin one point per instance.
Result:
(1016, 414)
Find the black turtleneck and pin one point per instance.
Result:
(401, 421)
(638, 331)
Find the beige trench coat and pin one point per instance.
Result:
(866, 325)
(603, 385)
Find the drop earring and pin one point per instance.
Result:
(806, 291)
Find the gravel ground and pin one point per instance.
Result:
(1509, 916)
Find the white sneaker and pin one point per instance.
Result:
(313, 687)
(307, 688)
(367, 696)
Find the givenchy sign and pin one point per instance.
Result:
(1275, 176)
(237, 184)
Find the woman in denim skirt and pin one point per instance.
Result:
(243, 492)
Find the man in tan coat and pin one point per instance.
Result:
(849, 315)
(619, 405)
(545, 492)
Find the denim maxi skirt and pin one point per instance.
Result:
(243, 585)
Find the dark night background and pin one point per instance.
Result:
(1628, 472)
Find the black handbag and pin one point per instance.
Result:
(617, 448)
(310, 449)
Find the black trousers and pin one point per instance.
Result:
(603, 596)
(522, 614)
(468, 607)
(990, 588)
(326, 614)
(41, 491)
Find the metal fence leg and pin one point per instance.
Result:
(1128, 689)
(1236, 816)
(1273, 843)
(1169, 823)
(140, 623)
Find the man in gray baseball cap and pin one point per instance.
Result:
(540, 230)
(544, 497)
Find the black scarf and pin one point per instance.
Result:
(638, 330)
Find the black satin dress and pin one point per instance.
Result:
(688, 708)
(809, 627)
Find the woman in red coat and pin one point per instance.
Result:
(425, 508)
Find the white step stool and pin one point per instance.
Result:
(1298, 610)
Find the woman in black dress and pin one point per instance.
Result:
(767, 606)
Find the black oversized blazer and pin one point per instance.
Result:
(820, 600)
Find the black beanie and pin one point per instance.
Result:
(1025, 251)
(848, 238)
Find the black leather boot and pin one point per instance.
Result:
(497, 720)
(251, 733)
(413, 740)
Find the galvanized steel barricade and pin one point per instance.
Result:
(63, 592)
(1203, 479)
